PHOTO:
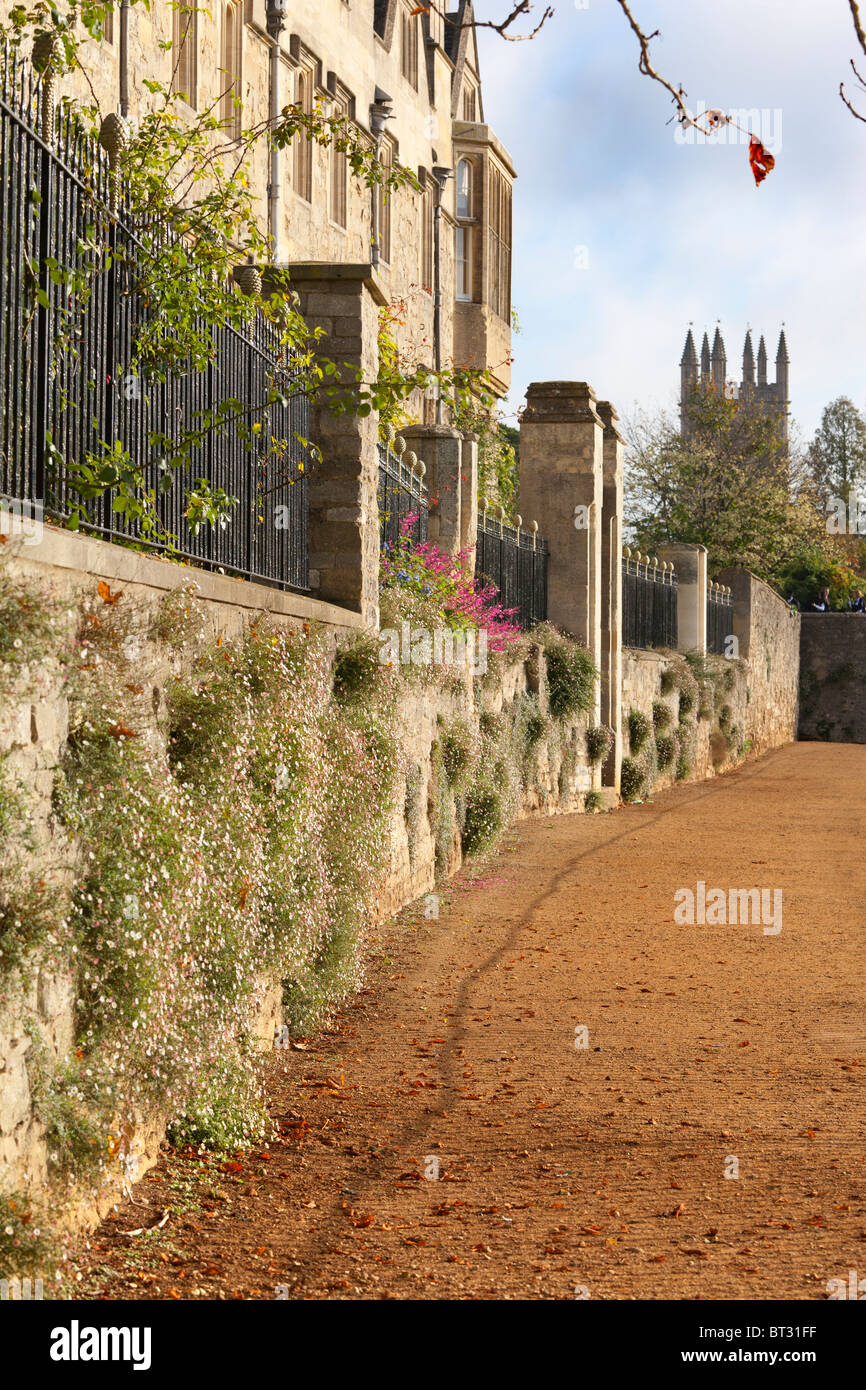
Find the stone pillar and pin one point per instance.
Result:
(441, 448)
(561, 486)
(469, 496)
(611, 590)
(344, 300)
(690, 567)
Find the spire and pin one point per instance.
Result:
(705, 357)
(762, 362)
(719, 362)
(782, 354)
(748, 361)
(690, 356)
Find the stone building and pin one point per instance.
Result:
(712, 371)
(411, 82)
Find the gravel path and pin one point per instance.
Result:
(604, 1170)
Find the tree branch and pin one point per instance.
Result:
(646, 67)
(845, 98)
(858, 24)
(520, 9)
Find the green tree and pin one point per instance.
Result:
(837, 454)
(731, 484)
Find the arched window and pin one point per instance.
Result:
(230, 77)
(409, 45)
(184, 52)
(464, 188)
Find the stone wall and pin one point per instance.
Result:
(649, 678)
(34, 721)
(833, 671)
(768, 634)
(746, 704)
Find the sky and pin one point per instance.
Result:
(623, 234)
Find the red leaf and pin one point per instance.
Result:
(760, 159)
(105, 593)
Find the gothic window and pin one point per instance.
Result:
(304, 146)
(499, 234)
(470, 105)
(184, 52)
(386, 158)
(339, 172)
(464, 188)
(230, 76)
(463, 263)
(409, 46)
(464, 232)
(426, 238)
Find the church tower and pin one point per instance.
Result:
(774, 395)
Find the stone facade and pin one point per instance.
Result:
(373, 61)
(833, 672)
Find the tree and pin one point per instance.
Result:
(731, 485)
(837, 454)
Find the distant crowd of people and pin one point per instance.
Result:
(857, 604)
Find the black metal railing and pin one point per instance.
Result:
(69, 394)
(720, 618)
(514, 560)
(402, 494)
(649, 603)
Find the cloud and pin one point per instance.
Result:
(675, 233)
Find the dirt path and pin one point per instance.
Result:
(560, 1168)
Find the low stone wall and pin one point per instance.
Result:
(768, 634)
(706, 713)
(832, 675)
(739, 706)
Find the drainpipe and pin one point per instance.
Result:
(441, 174)
(124, 58)
(380, 112)
(276, 23)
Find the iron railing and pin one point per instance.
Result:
(649, 602)
(69, 395)
(402, 494)
(720, 618)
(514, 560)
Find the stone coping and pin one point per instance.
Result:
(300, 271)
(70, 550)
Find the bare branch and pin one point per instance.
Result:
(645, 65)
(845, 98)
(858, 24)
(520, 9)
